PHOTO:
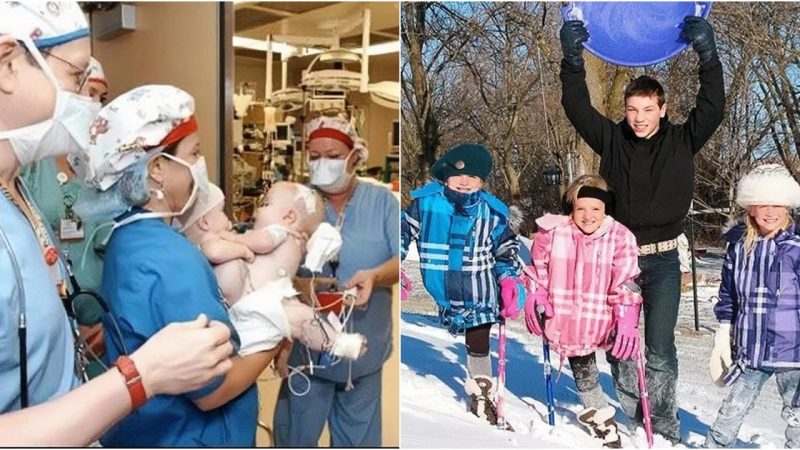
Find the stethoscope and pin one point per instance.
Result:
(80, 295)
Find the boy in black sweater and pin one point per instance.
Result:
(649, 163)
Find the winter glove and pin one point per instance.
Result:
(539, 300)
(573, 35)
(512, 292)
(699, 32)
(720, 359)
(626, 343)
(405, 285)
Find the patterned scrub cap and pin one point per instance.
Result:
(135, 126)
(46, 24)
(338, 128)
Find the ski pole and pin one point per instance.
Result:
(501, 375)
(548, 369)
(645, 397)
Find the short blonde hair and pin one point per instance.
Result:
(595, 181)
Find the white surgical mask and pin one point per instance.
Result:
(330, 175)
(199, 190)
(66, 132)
(199, 178)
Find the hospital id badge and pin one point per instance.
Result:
(70, 230)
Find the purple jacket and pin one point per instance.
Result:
(760, 296)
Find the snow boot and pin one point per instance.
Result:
(601, 425)
(481, 391)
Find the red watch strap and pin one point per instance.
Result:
(133, 381)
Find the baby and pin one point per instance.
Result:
(254, 269)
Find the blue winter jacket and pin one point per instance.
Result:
(760, 296)
(463, 253)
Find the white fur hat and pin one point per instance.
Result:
(769, 184)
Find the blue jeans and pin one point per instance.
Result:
(743, 395)
(660, 282)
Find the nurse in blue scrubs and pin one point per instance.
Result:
(44, 49)
(145, 165)
(55, 188)
(41, 115)
(347, 396)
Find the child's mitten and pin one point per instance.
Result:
(627, 341)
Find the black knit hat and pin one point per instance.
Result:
(464, 159)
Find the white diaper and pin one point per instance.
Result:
(259, 317)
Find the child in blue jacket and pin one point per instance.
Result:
(468, 259)
(759, 305)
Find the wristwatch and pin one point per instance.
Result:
(133, 381)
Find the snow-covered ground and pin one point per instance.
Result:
(433, 367)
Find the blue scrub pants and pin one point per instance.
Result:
(354, 416)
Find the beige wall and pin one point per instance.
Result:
(174, 43)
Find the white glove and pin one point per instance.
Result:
(277, 232)
(323, 245)
(720, 360)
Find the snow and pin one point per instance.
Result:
(433, 366)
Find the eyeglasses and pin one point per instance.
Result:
(83, 73)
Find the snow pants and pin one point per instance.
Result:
(353, 417)
(741, 398)
(660, 281)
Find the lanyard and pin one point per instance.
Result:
(334, 261)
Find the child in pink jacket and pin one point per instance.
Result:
(585, 265)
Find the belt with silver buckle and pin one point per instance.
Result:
(658, 247)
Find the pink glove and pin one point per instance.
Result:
(538, 300)
(510, 288)
(405, 285)
(626, 344)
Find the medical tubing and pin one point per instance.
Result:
(22, 327)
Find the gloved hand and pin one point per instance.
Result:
(512, 292)
(573, 35)
(699, 32)
(405, 285)
(720, 359)
(627, 341)
(539, 300)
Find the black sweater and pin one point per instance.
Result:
(653, 178)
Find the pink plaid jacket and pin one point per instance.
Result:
(584, 276)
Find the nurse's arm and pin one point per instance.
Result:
(181, 357)
(240, 377)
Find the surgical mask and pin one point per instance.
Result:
(330, 175)
(199, 189)
(199, 178)
(66, 132)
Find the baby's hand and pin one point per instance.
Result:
(249, 255)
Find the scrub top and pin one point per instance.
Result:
(370, 236)
(154, 276)
(49, 194)
(50, 347)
